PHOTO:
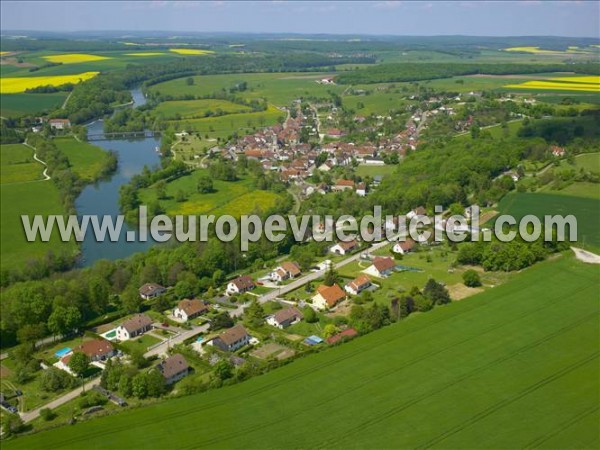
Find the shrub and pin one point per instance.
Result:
(47, 414)
(471, 278)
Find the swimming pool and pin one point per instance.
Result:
(62, 352)
(110, 335)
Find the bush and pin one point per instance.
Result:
(47, 414)
(471, 278)
(54, 379)
(91, 398)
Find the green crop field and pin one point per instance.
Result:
(234, 198)
(586, 210)
(197, 108)
(15, 105)
(29, 199)
(278, 88)
(472, 374)
(86, 159)
(17, 164)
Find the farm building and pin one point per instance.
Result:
(59, 124)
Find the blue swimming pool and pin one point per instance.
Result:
(62, 352)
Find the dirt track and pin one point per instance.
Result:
(585, 256)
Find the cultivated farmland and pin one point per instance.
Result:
(14, 85)
(87, 160)
(198, 108)
(74, 58)
(469, 373)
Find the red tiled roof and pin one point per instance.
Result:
(348, 333)
(332, 294)
(384, 264)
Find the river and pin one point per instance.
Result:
(102, 198)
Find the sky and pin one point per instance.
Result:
(427, 18)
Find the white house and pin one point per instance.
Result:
(344, 248)
(174, 368)
(151, 290)
(240, 285)
(328, 296)
(404, 247)
(285, 317)
(381, 267)
(232, 339)
(358, 285)
(189, 309)
(135, 326)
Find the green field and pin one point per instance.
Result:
(42, 198)
(278, 88)
(223, 126)
(365, 170)
(474, 374)
(15, 105)
(86, 160)
(17, 164)
(586, 210)
(197, 108)
(235, 198)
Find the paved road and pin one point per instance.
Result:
(162, 348)
(35, 413)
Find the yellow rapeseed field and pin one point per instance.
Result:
(4, 53)
(191, 51)
(594, 79)
(15, 85)
(530, 50)
(556, 86)
(74, 58)
(144, 54)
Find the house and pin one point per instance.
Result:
(381, 267)
(347, 334)
(59, 124)
(97, 349)
(343, 185)
(285, 317)
(286, 270)
(358, 285)
(232, 339)
(189, 309)
(63, 364)
(404, 247)
(135, 326)
(151, 290)
(419, 211)
(374, 161)
(174, 368)
(240, 285)
(557, 151)
(361, 189)
(344, 248)
(328, 296)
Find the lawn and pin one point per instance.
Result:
(140, 344)
(40, 197)
(586, 210)
(446, 379)
(365, 170)
(17, 164)
(86, 159)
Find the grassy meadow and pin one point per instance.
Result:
(197, 108)
(86, 159)
(234, 198)
(279, 89)
(441, 379)
(17, 164)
